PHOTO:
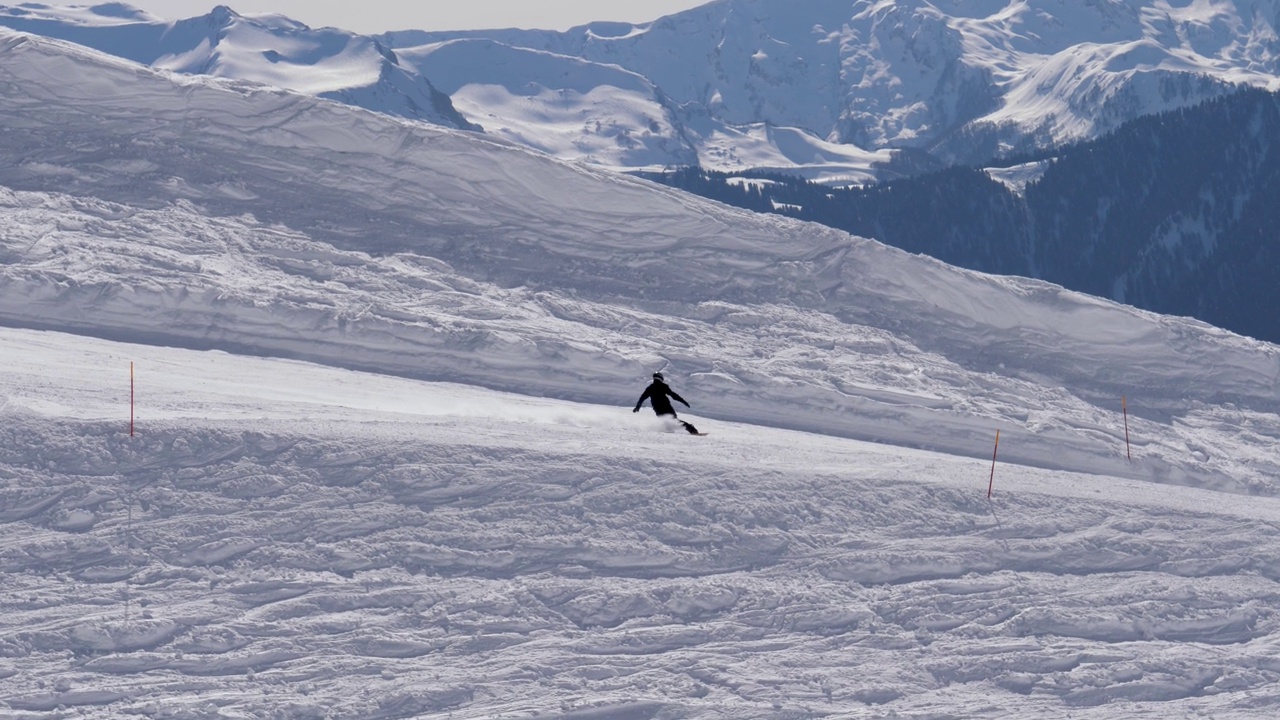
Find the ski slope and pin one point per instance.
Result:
(281, 539)
(385, 466)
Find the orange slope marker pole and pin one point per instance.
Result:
(1125, 409)
(991, 483)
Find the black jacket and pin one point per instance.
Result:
(657, 394)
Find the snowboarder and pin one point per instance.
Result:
(657, 394)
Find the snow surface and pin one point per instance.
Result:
(265, 48)
(594, 113)
(1017, 177)
(614, 118)
(385, 465)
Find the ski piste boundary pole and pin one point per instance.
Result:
(1125, 409)
(992, 482)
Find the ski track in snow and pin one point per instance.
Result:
(281, 538)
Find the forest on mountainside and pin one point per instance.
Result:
(1174, 213)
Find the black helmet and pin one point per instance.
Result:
(657, 376)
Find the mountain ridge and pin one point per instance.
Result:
(270, 49)
(845, 94)
(963, 81)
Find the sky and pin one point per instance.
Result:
(374, 16)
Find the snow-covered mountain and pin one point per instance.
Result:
(962, 79)
(269, 49)
(825, 89)
(385, 464)
(566, 107)
(1173, 213)
(601, 113)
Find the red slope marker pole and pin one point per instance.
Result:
(991, 483)
(130, 398)
(1125, 409)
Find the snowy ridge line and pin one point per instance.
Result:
(266, 49)
(830, 90)
(960, 80)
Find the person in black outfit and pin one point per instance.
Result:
(658, 393)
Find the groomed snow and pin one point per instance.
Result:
(286, 539)
(385, 465)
